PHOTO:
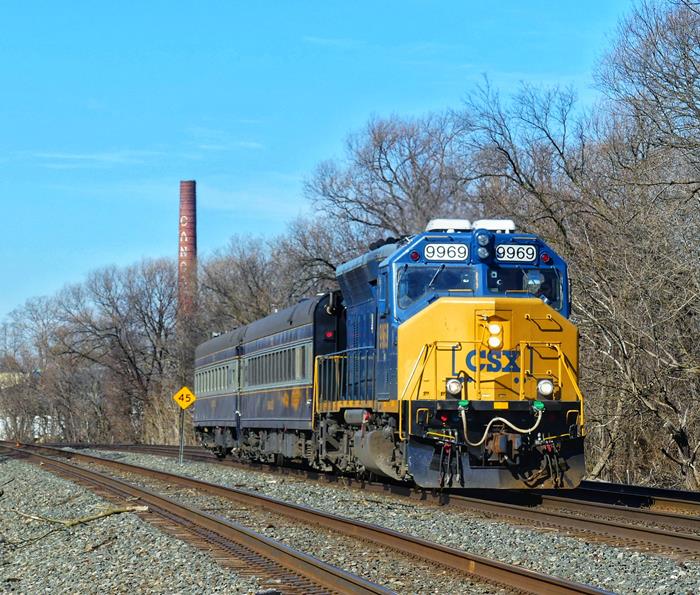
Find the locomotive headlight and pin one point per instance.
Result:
(495, 341)
(482, 239)
(482, 252)
(453, 386)
(545, 387)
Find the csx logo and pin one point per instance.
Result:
(495, 361)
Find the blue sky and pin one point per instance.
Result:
(104, 107)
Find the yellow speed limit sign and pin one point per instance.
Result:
(184, 397)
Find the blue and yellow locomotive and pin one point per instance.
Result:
(446, 359)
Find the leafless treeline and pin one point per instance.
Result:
(615, 189)
(96, 358)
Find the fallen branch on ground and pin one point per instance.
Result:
(68, 523)
(85, 519)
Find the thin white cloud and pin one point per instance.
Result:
(212, 147)
(61, 159)
(246, 144)
(255, 202)
(211, 139)
(241, 144)
(437, 64)
(204, 132)
(286, 177)
(63, 165)
(429, 47)
(199, 155)
(345, 43)
(416, 48)
(95, 105)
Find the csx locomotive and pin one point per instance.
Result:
(446, 359)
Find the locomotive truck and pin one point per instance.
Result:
(446, 359)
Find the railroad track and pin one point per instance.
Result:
(293, 571)
(654, 498)
(490, 571)
(640, 528)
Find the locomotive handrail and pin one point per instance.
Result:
(430, 348)
(344, 375)
(340, 382)
(427, 346)
(564, 367)
(314, 395)
(563, 363)
(572, 378)
(344, 352)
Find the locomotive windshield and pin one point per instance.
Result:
(542, 283)
(415, 282)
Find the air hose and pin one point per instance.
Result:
(463, 413)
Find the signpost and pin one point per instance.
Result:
(184, 398)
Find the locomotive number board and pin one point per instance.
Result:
(446, 252)
(516, 253)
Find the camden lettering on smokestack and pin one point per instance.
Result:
(187, 253)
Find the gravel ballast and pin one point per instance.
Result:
(391, 569)
(119, 553)
(622, 570)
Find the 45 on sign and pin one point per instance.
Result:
(184, 397)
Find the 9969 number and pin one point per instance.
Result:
(516, 253)
(446, 252)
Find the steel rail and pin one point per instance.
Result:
(588, 491)
(661, 498)
(644, 515)
(532, 506)
(318, 572)
(479, 567)
(687, 543)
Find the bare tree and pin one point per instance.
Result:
(653, 72)
(398, 174)
(123, 320)
(239, 284)
(310, 251)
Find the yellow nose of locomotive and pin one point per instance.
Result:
(500, 349)
(489, 391)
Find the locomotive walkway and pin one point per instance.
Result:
(510, 577)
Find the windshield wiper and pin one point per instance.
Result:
(442, 267)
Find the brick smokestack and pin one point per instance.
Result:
(187, 252)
